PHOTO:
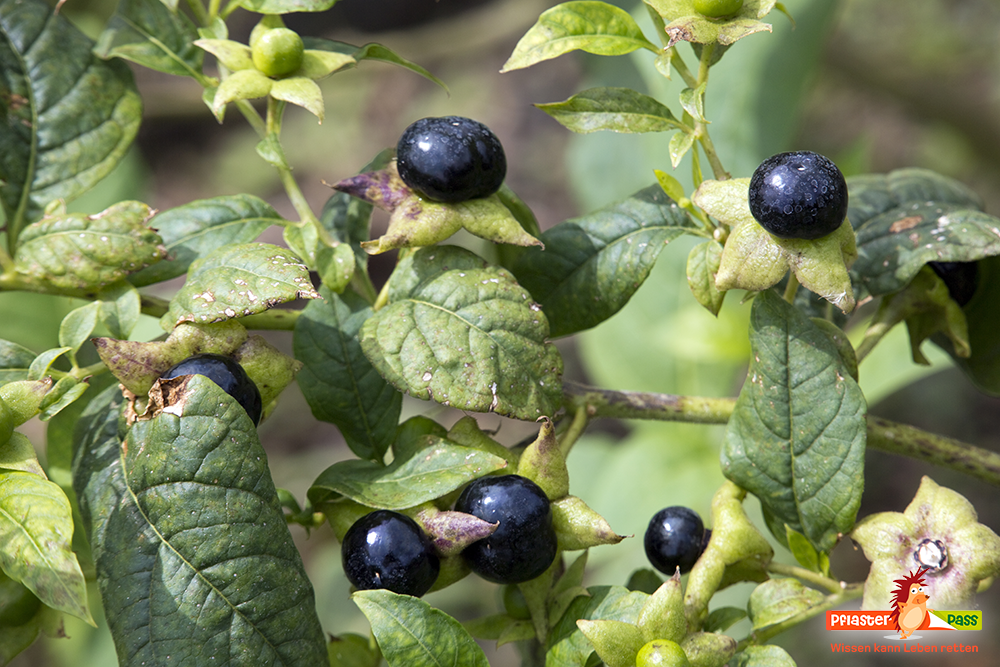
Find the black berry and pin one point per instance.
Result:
(225, 372)
(524, 544)
(961, 278)
(386, 549)
(675, 538)
(800, 195)
(451, 159)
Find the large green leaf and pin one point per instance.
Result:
(67, 117)
(591, 266)
(36, 531)
(237, 280)
(615, 109)
(72, 251)
(411, 633)
(893, 246)
(468, 337)
(286, 6)
(194, 558)
(154, 35)
(196, 229)
(874, 194)
(796, 439)
(429, 473)
(339, 383)
(594, 27)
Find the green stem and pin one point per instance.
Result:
(875, 332)
(89, 371)
(6, 261)
(256, 122)
(807, 575)
(906, 440)
(883, 435)
(200, 16)
(791, 287)
(363, 285)
(851, 592)
(678, 64)
(213, 9)
(575, 430)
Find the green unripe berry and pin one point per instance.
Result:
(278, 52)
(717, 8)
(662, 653)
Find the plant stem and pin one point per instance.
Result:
(200, 16)
(701, 128)
(875, 332)
(883, 435)
(575, 430)
(806, 575)
(761, 636)
(906, 440)
(791, 287)
(6, 261)
(678, 64)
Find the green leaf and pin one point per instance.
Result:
(594, 27)
(301, 91)
(351, 650)
(238, 280)
(319, 63)
(245, 84)
(196, 229)
(411, 633)
(40, 366)
(69, 117)
(591, 266)
(680, 144)
(121, 306)
(702, 266)
(797, 436)
(804, 552)
(693, 101)
(334, 263)
(875, 194)
(150, 33)
(615, 109)
(77, 326)
(14, 362)
(778, 600)
(36, 531)
(895, 245)
(286, 6)
(65, 392)
(381, 53)
(722, 618)
(194, 558)
(436, 470)
(339, 383)
(73, 251)
(232, 55)
(466, 337)
(568, 645)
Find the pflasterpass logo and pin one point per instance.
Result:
(908, 613)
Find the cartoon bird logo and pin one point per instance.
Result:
(909, 604)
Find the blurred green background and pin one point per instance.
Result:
(874, 84)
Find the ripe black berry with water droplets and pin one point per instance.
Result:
(228, 374)
(798, 195)
(451, 159)
(386, 549)
(524, 544)
(675, 538)
(961, 278)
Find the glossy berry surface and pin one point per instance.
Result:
(524, 544)
(675, 538)
(961, 278)
(386, 549)
(451, 159)
(799, 195)
(277, 52)
(228, 374)
(717, 8)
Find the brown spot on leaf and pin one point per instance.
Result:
(908, 222)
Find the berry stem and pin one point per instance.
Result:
(791, 287)
(807, 575)
(575, 430)
(198, 9)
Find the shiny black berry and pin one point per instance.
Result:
(386, 549)
(225, 372)
(451, 159)
(675, 538)
(800, 195)
(961, 278)
(524, 544)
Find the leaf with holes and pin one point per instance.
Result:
(194, 558)
(69, 117)
(591, 266)
(796, 439)
(238, 280)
